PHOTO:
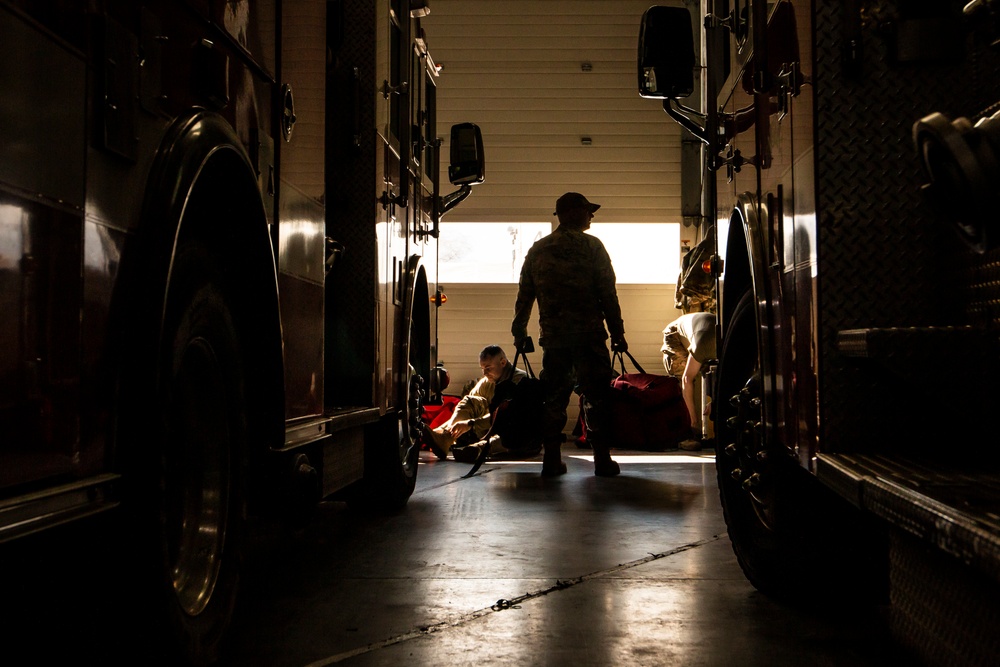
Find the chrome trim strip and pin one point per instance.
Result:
(32, 512)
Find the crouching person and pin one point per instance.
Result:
(689, 342)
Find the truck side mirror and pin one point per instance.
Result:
(666, 53)
(468, 166)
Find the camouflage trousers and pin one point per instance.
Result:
(585, 366)
(675, 354)
(695, 303)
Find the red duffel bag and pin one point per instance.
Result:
(647, 411)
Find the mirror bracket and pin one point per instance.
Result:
(789, 83)
(388, 90)
(691, 126)
(734, 161)
(450, 201)
(790, 78)
(389, 198)
(728, 22)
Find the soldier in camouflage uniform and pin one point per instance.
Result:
(569, 273)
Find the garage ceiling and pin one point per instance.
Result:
(519, 69)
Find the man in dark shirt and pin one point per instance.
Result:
(569, 273)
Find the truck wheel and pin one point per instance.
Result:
(392, 452)
(201, 500)
(784, 525)
(748, 475)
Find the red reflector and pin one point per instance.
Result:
(706, 266)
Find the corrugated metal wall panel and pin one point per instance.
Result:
(514, 68)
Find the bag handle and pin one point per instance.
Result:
(619, 357)
(527, 365)
(485, 451)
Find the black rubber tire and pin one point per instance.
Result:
(784, 525)
(200, 503)
(392, 451)
(751, 509)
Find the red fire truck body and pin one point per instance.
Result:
(844, 144)
(218, 266)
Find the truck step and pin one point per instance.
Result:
(902, 346)
(955, 508)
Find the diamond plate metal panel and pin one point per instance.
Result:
(884, 260)
(982, 290)
(942, 611)
(350, 205)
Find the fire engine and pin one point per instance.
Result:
(218, 267)
(843, 145)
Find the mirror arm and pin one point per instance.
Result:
(685, 122)
(689, 111)
(453, 199)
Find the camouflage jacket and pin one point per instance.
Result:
(569, 273)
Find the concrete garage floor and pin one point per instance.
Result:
(508, 568)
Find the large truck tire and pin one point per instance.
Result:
(741, 457)
(783, 524)
(198, 505)
(391, 464)
(392, 449)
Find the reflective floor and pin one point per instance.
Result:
(505, 568)
(508, 568)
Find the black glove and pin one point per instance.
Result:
(619, 344)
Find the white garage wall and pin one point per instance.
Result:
(515, 68)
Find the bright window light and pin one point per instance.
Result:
(485, 252)
(642, 253)
(493, 252)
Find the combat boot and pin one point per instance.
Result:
(439, 441)
(604, 465)
(552, 463)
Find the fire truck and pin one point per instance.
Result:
(847, 155)
(218, 271)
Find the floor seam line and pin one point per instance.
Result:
(452, 481)
(503, 604)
